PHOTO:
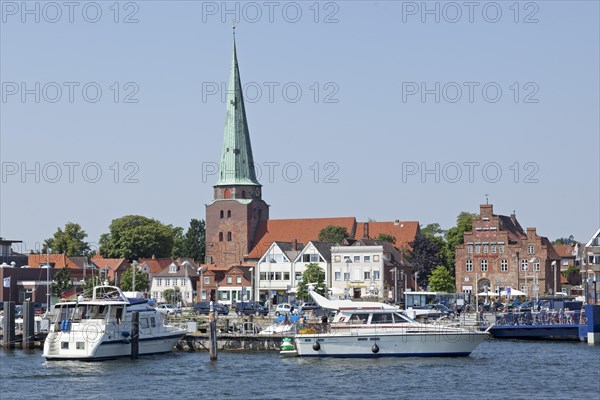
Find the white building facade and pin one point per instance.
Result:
(357, 272)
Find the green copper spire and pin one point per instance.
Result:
(237, 163)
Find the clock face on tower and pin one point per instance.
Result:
(257, 191)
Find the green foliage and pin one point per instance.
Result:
(423, 257)
(61, 282)
(568, 240)
(432, 230)
(455, 237)
(573, 275)
(71, 241)
(387, 238)
(134, 236)
(441, 280)
(178, 242)
(312, 275)
(172, 295)
(333, 234)
(142, 282)
(195, 239)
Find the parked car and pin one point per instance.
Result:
(250, 308)
(285, 308)
(168, 309)
(203, 308)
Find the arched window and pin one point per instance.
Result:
(259, 215)
(228, 213)
(243, 194)
(226, 194)
(221, 213)
(229, 236)
(220, 236)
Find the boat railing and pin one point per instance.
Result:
(543, 317)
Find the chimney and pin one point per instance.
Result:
(366, 230)
(531, 233)
(513, 217)
(295, 245)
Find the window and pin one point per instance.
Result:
(347, 259)
(298, 276)
(536, 265)
(229, 279)
(530, 250)
(356, 258)
(484, 265)
(238, 279)
(167, 282)
(277, 276)
(221, 213)
(243, 194)
(485, 249)
(220, 236)
(524, 265)
(338, 275)
(80, 345)
(158, 282)
(478, 249)
(470, 247)
(367, 275)
(469, 265)
(346, 276)
(367, 258)
(263, 276)
(229, 236)
(206, 280)
(501, 248)
(228, 213)
(504, 265)
(565, 261)
(315, 258)
(493, 249)
(64, 345)
(286, 276)
(376, 275)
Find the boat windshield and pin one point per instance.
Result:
(81, 312)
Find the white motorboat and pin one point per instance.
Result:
(101, 328)
(370, 329)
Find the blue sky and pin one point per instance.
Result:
(383, 110)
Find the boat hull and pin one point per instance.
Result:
(536, 332)
(458, 344)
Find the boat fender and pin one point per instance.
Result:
(375, 348)
(316, 346)
(125, 337)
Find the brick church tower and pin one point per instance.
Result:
(237, 205)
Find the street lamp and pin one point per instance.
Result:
(395, 270)
(404, 278)
(134, 265)
(554, 273)
(251, 284)
(48, 280)
(416, 284)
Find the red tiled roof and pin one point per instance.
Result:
(403, 231)
(155, 264)
(564, 250)
(59, 260)
(112, 263)
(286, 230)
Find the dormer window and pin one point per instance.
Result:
(172, 268)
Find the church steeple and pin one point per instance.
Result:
(237, 163)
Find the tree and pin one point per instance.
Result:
(573, 275)
(441, 280)
(569, 240)
(423, 257)
(195, 239)
(61, 282)
(432, 230)
(178, 242)
(333, 234)
(135, 236)
(455, 237)
(141, 281)
(387, 238)
(313, 275)
(172, 295)
(71, 241)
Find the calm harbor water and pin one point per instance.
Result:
(495, 370)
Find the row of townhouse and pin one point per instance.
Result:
(364, 268)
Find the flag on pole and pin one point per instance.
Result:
(6, 282)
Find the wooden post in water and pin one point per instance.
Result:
(135, 334)
(212, 328)
(28, 321)
(8, 325)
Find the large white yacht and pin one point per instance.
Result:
(370, 329)
(101, 328)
